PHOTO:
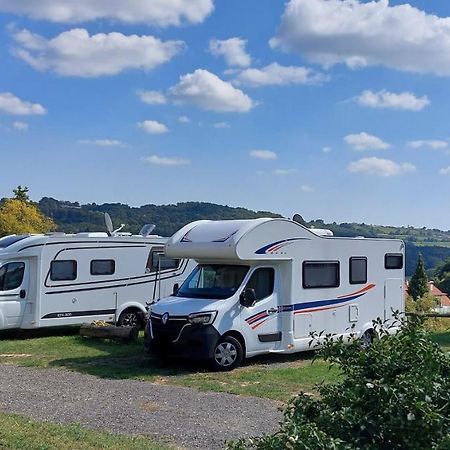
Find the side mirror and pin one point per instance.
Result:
(175, 289)
(248, 297)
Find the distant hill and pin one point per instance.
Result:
(71, 217)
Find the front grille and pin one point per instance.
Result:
(170, 330)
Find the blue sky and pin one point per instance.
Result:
(335, 109)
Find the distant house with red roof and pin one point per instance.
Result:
(444, 299)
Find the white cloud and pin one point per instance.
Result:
(432, 144)
(153, 12)
(184, 119)
(275, 74)
(445, 171)
(366, 33)
(76, 53)
(153, 127)
(406, 101)
(306, 188)
(263, 154)
(380, 167)
(233, 51)
(207, 91)
(365, 141)
(10, 104)
(326, 149)
(283, 172)
(102, 142)
(152, 97)
(165, 161)
(221, 125)
(20, 126)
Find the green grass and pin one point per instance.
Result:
(17, 432)
(276, 377)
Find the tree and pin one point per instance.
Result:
(21, 217)
(418, 286)
(21, 193)
(393, 395)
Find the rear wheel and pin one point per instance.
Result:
(228, 354)
(130, 318)
(367, 338)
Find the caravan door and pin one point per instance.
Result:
(261, 322)
(393, 297)
(13, 293)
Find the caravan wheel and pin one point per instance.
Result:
(129, 318)
(367, 338)
(228, 354)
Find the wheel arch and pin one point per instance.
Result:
(239, 336)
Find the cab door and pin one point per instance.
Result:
(261, 323)
(13, 293)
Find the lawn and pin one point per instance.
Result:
(277, 377)
(17, 432)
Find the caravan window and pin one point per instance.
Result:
(320, 274)
(158, 261)
(393, 261)
(103, 266)
(262, 282)
(63, 270)
(11, 276)
(358, 270)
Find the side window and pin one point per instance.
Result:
(11, 276)
(358, 270)
(103, 267)
(63, 270)
(320, 274)
(393, 261)
(262, 281)
(158, 261)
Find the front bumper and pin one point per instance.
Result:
(190, 341)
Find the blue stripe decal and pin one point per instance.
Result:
(263, 250)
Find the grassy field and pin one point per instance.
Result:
(17, 432)
(275, 376)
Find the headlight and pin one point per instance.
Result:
(206, 318)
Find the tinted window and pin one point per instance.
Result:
(358, 270)
(393, 261)
(103, 266)
(63, 270)
(262, 282)
(11, 276)
(158, 261)
(318, 274)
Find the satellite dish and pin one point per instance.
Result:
(147, 229)
(109, 224)
(299, 219)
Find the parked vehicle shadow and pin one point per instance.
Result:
(39, 333)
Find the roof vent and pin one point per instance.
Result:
(321, 232)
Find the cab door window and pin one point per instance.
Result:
(262, 281)
(11, 276)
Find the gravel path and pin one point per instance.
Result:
(189, 418)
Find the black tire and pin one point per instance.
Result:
(367, 338)
(228, 354)
(130, 318)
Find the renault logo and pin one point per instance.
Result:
(165, 318)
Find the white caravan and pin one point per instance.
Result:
(263, 285)
(64, 279)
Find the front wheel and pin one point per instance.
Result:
(228, 354)
(129, 318)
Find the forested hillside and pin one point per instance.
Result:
(72, 217)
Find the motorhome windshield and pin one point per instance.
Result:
(9, 240)
(215, 281)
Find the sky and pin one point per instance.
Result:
(334, 109)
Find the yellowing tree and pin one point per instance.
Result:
(21, 217)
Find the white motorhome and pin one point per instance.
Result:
(65, 279)
(264, 285)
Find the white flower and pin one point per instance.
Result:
(410, 416)
(370, 385)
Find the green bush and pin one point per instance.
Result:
(393, 395)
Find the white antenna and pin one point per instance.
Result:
(147, 229)
(109, 224)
